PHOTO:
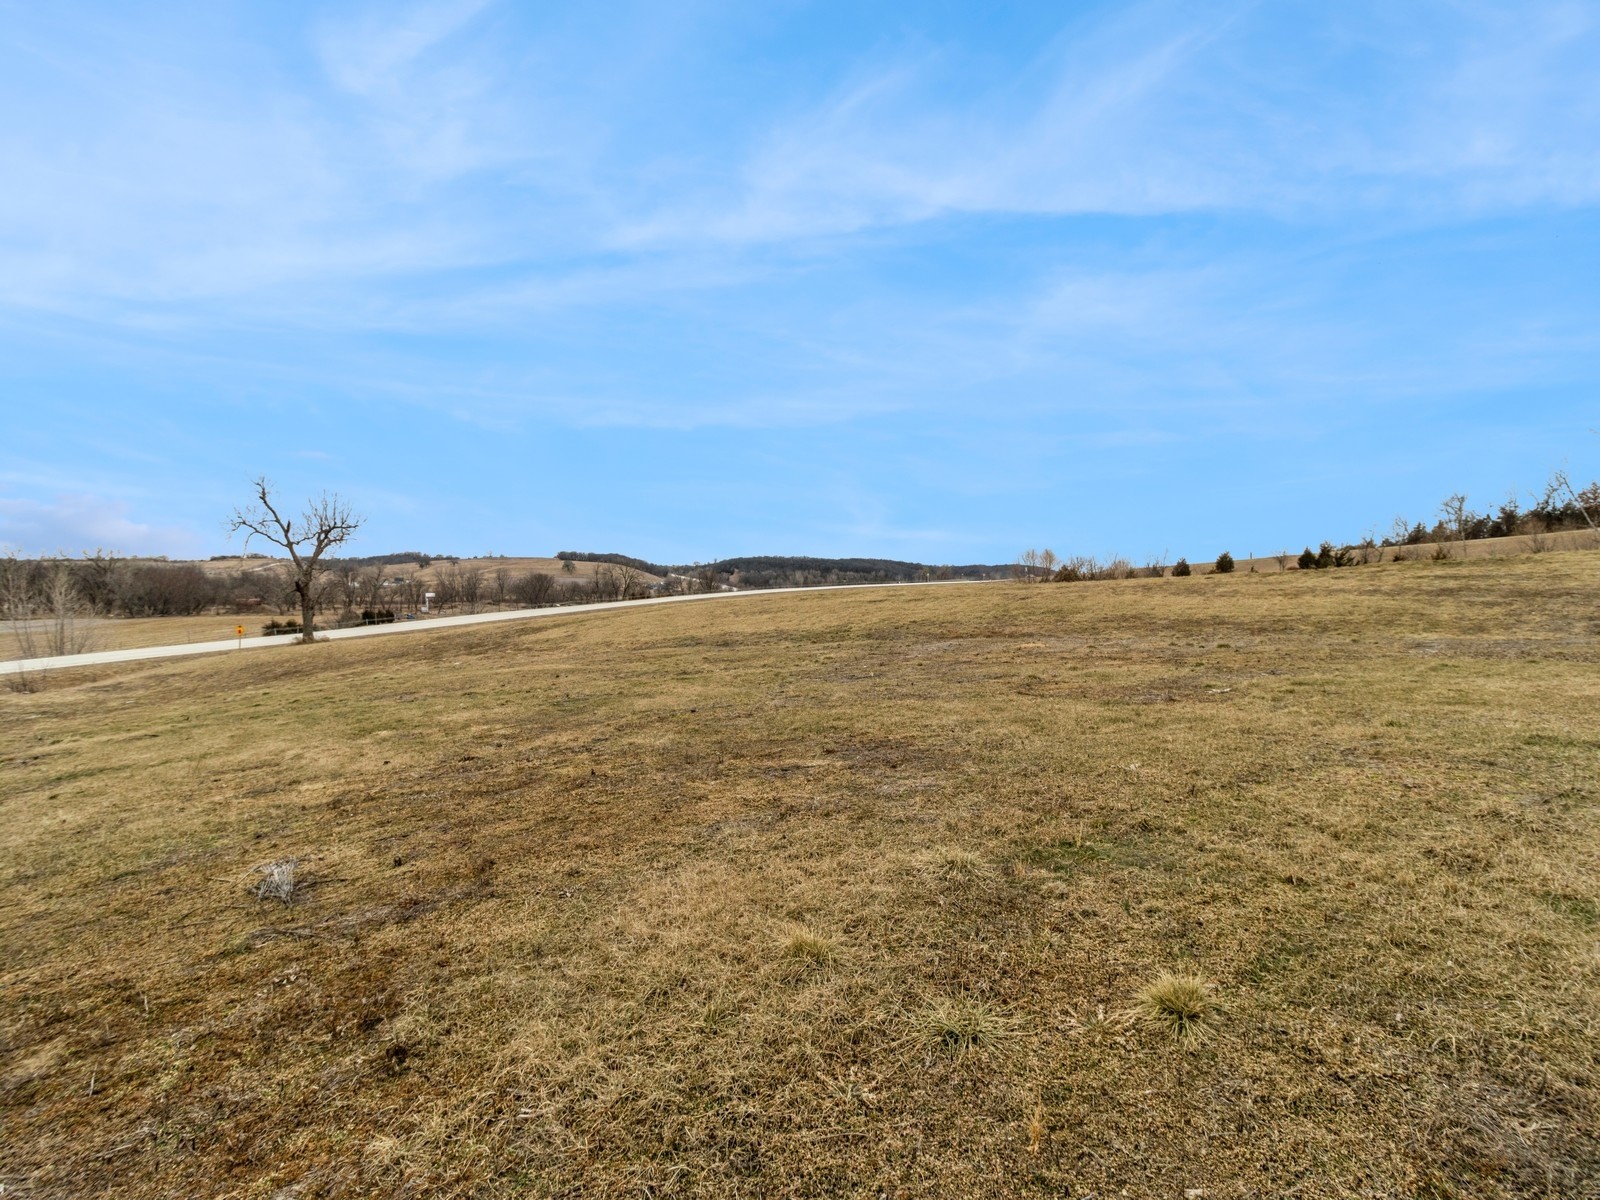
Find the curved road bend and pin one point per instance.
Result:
(100, 657)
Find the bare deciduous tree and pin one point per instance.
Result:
(370, 588)
(630, 583)
(411, 590)
(1454, 514)
(1369, 547)
(1559, 493)
(607, 583)
(325, 523)
(469, 588)
(534, 589)
(345, 581)
(447, 586)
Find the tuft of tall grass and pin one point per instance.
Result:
(958, 866)
(805, 950)
(1179, 1005)
(962, 1024)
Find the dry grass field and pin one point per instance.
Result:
(1498, 547)
(124, 633)
(127, 633)
(1265, 885)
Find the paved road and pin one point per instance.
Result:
(100, 657)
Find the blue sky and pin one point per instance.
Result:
(936, 281)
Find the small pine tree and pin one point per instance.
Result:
(1308, 559)
(1181, 567)
(1224, 563)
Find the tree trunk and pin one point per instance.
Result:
(307, 613)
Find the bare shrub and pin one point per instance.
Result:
(19, 680)
(278, 880)
(1086, 567)
(45, 608)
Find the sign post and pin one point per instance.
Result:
(238, 632)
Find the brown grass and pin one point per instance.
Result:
(126, 633)
(841, 893)
(1180, 1006)
(1498, 547)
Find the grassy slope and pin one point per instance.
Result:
(125, 633)
(696, 900)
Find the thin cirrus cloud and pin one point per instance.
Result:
(80, 523)
(727, 228)
(1129, 116)
(445, 160)
(371, 51)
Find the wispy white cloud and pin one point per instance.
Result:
(1157, 110)
(466, 173)
(448, 174)
(74, 523)
(370, 50)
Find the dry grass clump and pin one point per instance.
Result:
(961, 1024)
(805, 952)
(1181, 1006)
(957, 865)
(717, 1014)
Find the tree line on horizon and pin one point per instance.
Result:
(41, 597)
(798, 570)
(1560, 508)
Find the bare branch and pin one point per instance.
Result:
(327, 521)
(1586, 501)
